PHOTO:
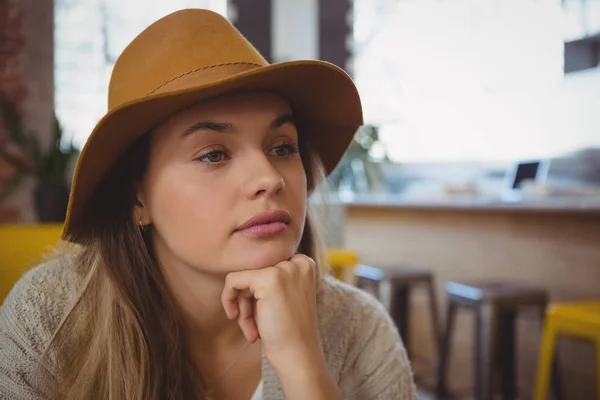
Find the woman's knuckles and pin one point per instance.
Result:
(299, 274)
(301, 260)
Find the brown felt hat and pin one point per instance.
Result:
(195, 54)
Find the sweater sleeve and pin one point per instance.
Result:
(377, 366)
(28, 317)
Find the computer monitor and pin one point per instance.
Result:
(536, 170)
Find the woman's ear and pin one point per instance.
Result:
(140, 211)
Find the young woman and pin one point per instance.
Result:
(194, 269)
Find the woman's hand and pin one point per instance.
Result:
(278, 305)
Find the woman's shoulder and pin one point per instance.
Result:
(361, 343)
(55, 280)
(342, 303)
(38, 301)
(348, 315)
(28, 318)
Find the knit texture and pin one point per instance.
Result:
(363, 350)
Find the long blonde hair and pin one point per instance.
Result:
(122, 338)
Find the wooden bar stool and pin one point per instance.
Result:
(392, 286)
(496, 305)
(577, 319)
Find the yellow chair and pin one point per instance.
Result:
(342, 263)
(21, 248)
(577, 319)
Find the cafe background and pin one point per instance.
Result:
(479, 160)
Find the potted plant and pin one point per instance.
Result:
(357, 171)
(52, 168)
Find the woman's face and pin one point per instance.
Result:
(212, 169)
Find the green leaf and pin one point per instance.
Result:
(26, 139)
(15, 161)
(51, 167)
(12, 120)
(35, 153)
(8, 188)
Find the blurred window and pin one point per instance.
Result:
(475, 80)
(89, 36)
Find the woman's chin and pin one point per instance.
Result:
(268, 256)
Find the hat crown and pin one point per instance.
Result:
(178, 44)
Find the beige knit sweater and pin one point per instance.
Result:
(363, 351)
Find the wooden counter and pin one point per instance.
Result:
(556, 206)
(556, 246)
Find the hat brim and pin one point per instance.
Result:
(324, 100)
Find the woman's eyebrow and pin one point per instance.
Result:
(226, 127)
(282, 120)
(209, 126)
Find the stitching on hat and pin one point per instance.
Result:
(200, 69)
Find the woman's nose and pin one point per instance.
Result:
(263, 179)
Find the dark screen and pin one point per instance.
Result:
(525, 171)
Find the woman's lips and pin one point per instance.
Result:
(265, 224)
(262, 230)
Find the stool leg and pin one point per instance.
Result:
(444, 351)
(435, 316)
(546, 361)
(400, 309)
(485, 354)
(507, 354)
(557, 388)
(369, 286)
(378, 290)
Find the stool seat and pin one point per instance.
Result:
(584, 312)
(341, 257)
(341, 262)
(510, 294)
(396, 274)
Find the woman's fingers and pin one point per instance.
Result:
(234, 284)
(238, 302)
(229, 300)
(246, 319)
(260, 300)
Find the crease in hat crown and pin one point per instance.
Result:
(181, 43)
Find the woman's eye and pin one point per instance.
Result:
(285, 150)
(214, 156)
